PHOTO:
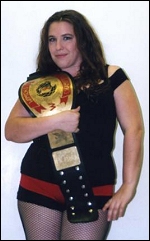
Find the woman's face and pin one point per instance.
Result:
(62, 45)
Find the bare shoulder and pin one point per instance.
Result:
(112, 69)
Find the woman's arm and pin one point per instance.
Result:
(20, 127)
(131, 122)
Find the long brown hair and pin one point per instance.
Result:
(93, 66)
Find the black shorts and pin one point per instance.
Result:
(49, 195)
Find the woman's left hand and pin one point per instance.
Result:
(116, 206)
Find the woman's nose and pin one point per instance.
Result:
(59, 45)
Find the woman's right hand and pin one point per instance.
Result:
(20, 127)
(68, 120)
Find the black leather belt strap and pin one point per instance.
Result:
(73, 181)
(79, 198)
(45, 96)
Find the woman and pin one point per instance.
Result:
(104, 95)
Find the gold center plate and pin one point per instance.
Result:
(66, 158)
(48, 95)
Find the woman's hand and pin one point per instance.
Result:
(20, 127)
(68, 120)
(116, 206)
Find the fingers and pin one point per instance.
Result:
(77, 109)
(77, 130)
(115, 210)
(115, 213)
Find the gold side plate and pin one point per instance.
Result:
(60, 138)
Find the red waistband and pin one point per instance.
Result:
(53, 190)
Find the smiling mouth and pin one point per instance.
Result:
(61, 55)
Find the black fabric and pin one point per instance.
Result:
(37, 162)
(95, 138)
(118, 78)
(36, 75)
(32, 197)
(97, 125)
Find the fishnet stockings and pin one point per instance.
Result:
(41, 223)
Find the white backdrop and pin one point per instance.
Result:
(123, 29)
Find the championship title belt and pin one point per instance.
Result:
(45, 96)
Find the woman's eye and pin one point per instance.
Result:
(67, 37)
(51, 39)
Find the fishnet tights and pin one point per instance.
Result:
(41, 223)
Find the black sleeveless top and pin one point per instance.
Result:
(96, 139)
